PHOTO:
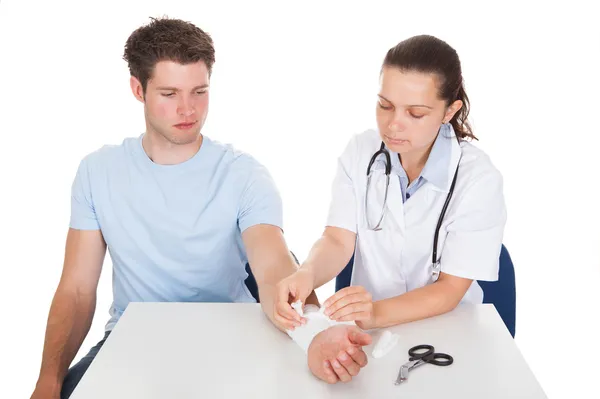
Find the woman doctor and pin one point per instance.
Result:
(399, 275)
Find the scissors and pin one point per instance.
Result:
(418, 358)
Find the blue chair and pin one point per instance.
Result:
(251, 283)
(501, 293)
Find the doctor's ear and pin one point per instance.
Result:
(452, 110)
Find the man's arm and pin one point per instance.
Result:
(270, 261)
(72, 308)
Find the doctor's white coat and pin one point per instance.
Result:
(398, 258)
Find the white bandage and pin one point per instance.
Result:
(385, 344)
(297, 306)
(316, 321)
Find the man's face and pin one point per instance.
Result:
(176, 100)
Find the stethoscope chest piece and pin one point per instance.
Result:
(436, 268)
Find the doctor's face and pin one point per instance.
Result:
(409, 111)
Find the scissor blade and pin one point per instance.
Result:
(402, 374)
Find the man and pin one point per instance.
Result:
(180, 213)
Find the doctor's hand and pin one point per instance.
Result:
(336, 354)
(296, 287)
(352, 303)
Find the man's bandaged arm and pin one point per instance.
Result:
(316, 321)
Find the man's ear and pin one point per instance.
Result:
(136, 88)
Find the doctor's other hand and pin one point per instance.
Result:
(296, 287)
(336, 354)
(352, 303)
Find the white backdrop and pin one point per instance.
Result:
(290, 85)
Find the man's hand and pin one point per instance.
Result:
(352, 303)
(296, 287)
(336, 354)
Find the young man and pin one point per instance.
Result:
(180, 213)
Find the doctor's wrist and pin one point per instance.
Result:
(377, 317)
(312, 299)
(309, 272)
(387, 312)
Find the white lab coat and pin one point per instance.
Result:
(397, 259)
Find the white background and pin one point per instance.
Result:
(290, 85)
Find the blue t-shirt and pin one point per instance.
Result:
(173, 232)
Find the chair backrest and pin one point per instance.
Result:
(500, 293)
(251, 283)
(503, 293)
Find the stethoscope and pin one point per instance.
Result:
(435, 262)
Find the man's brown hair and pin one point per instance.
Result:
(166, 39)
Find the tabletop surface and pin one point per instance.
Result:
(218, 350)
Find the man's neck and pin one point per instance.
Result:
(163, 152)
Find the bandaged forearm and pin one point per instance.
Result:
(316, 321)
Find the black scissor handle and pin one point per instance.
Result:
(439, 359)
(416, 352)
(428, 355)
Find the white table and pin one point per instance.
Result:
(192, 350)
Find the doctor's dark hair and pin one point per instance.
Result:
(166, 39)
(428, 54)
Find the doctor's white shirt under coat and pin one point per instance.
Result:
(398, 258)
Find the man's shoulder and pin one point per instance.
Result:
(108, 154)
(235, 158)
